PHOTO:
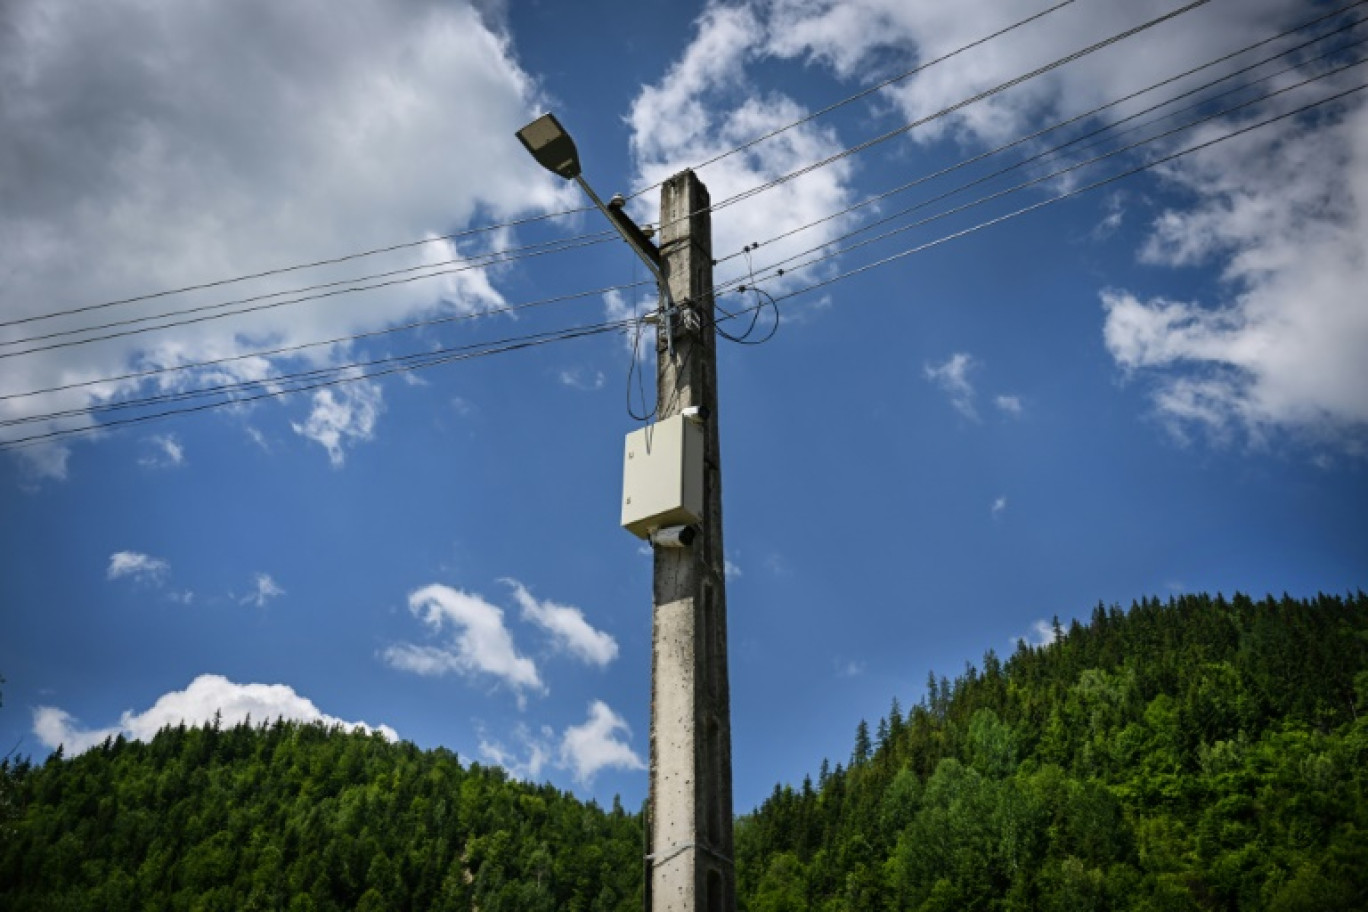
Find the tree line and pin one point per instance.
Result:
(1196, 754)
(1201, 753)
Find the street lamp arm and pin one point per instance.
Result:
(639, 245)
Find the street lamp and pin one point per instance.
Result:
(555, 151)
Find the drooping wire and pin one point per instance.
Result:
(634, 366)
(745, 337)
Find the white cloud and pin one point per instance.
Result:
(953, 378)
(1287, 219)
(41, 463)
(479, 643)
(855, 37)
(1042, 633)
(569, 630)
(1010, 405)
(537, 752)
(264, 589)
(132, 133)
(343, 414)
(141, 568)
(999, 507)
(167, 452)
(731, 569)
(706, 104)
(196, 705)
(1284, 211)
(593, 746)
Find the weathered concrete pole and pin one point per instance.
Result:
(690, 823)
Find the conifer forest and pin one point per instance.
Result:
(1202, 753)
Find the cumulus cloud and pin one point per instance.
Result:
(476, 642)
(207, 695)
(341, 415)
(706, 104)
(953, 378)
(595, 745)
(999, 507)
(1286, 219)
(1009, 405)
(141, 568)
(264, 588)
(536, 747)
(133, 133)
(1280, 211)
(569, 630)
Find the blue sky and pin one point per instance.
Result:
(1149, 388)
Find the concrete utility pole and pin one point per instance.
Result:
(690, 825)
(673, 497)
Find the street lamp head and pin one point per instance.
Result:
(551, 146)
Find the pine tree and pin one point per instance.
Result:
(863, 746)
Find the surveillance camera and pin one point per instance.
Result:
(674, 536)
(698, 413)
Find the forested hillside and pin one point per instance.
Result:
(302, 817)
(1200, 754)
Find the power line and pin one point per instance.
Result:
(987, 93)
(1029, 183)
(291, 349)
(1059, 198)
(863, 93)
(1099, 109)
(252, 309)
(472, 231)
(204, 317)
(445, 356)
(449, 356)
(577, 242)
(492, 258)
(469, 232)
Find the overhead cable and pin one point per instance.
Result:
(946, 111)
(340, 340)
(963, 163)
(1026, 184)
(863, 93)
(1058, 198)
